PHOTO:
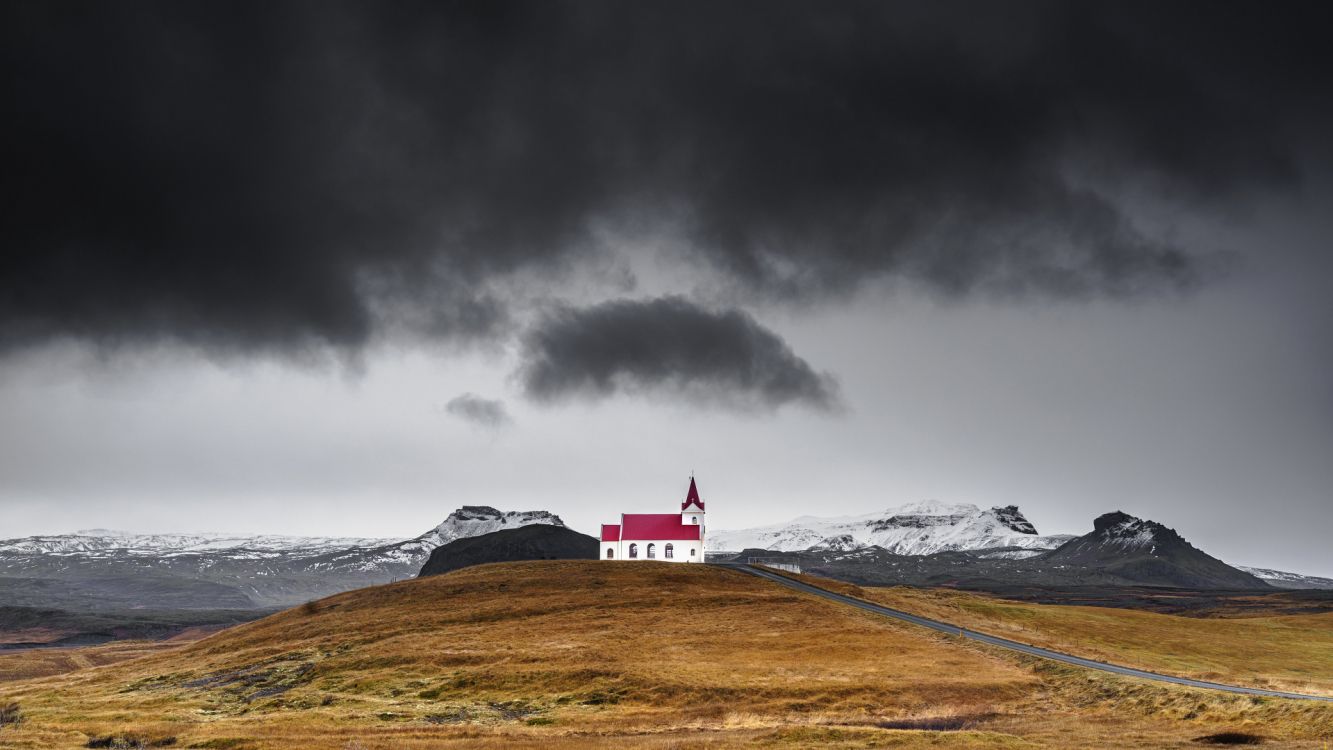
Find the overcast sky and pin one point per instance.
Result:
(340, 268)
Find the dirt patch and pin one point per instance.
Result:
(130, 742)
(253, 683)
(937, 723)
(489, 712)
(10, 714)
(453, 716)
(1230, 738)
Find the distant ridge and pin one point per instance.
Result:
(1284, 580)
(103, 569)
(920, 528)
(1120, 551)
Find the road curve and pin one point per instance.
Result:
(945, 627)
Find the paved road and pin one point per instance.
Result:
(945, 627)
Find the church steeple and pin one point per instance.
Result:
(692, 497)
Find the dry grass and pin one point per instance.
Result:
(588, 654)
(45, 662)
(1289, 652)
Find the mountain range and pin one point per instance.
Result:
(923, 529)
(915, 529)
(927, 542)
(112, 570)
(1121, 550)
(1284, 580)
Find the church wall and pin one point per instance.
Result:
(682, 550)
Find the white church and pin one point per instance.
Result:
(669, 537)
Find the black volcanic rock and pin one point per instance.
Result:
(1148, 553)
(1013, 519)
(533, 542)
(1107, 521)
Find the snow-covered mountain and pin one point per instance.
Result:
(470, 520)
(111, 543)
(914, 529)
(113, 569)
(1121, 551)
(1284, 580)
(475, 520)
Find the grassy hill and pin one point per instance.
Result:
(559, 654)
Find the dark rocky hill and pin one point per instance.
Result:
(535, 542)
(1146, 552)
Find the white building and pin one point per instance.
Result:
(669, 537)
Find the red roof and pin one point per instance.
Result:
(656, 526)
(692, 497)
(610, 532)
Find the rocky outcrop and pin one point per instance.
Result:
(532, 542)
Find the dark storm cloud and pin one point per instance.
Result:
(260, 176)
(667, 345)
(479, 411)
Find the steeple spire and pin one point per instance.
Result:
(692, 497)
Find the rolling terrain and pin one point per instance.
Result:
(30, 627)
(590, 654)
(1256, 648)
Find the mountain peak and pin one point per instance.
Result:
(475, 520)
(476, 511)
(1123, 529)
(1014, 519)
(931, 508)
(1117, 518)
(1146, 552)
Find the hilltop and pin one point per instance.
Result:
(592, 654)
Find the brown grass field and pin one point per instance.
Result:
(1293, 653)
(588, 654)
(29, 664)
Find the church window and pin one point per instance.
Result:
(610, 553)
(691, 552)
(667, 551)
(652, 550)
(634, 550)
(695, 519)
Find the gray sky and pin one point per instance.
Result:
(390, 263)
